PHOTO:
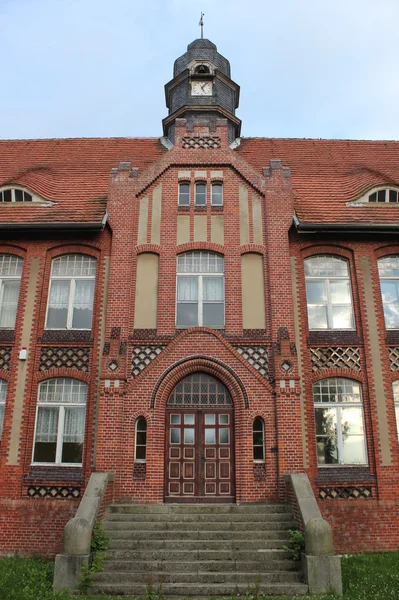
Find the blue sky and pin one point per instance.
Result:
(85, 68)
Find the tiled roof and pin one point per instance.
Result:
(326, 174)
(73, 173)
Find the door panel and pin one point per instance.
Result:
(199, 455)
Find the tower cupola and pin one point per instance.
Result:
(202, 90)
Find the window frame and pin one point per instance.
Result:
(337, 406)
(72, 289)
(13, 189)
(3, 279)
(217, 184)
(3, 402)
(199, 276)
(136, 444)
(395, 390)
(327, 280)
(196, 194)
(392, 279)
(254, 431)
(181, 194)
(60, 424)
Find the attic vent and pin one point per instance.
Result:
(15, 195)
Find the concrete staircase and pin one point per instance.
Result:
(198, 551)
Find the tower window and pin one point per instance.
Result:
(202, 70)
(184, 193)
(141, 440)
(200, 193)
(258, 436)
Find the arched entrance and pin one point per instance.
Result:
(199, 442)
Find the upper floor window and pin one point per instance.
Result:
(340, 436)
(328, 292)
(217, 193)
(184, 193)
(385, 195)
(3, 395)
(60, 422)
(200, 290)
(388, 270)
(15, 195)
(395, 387)
(10, 277)
(70, 303)
(141, 440)
(258, 439)
(200, 193)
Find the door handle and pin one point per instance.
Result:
(203, 460)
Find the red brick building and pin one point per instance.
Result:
(200, 314)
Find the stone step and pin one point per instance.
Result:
(166, 566)
(189, 542)
(200, 577)
(201, 591)
(230, 517)
(260, 556)
(189, 534)
(193, 526)
(198, 508)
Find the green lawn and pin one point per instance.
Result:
(366, 577)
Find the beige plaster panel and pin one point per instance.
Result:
(257, 219)
(377, 381)
(216, 174)
(186, 174)
(217, 229)
(298, 339)
(156, 215)
(27, 324)
(183, 229)
(253, 292)
(143, 221)
(244, 215)
(200, 174)
(200, 233)
(146, 302)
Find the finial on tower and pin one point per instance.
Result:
(201, 24)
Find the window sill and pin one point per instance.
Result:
(344, 473)
(66, 335)
(7, 335)
(54, 473)
(333, 336)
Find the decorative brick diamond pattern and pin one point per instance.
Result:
(44, 491)
(5, 357)
(143, 356)
(333, 493)
(325, 358)
(256, 356)
(77, 358)
(201, 142)
(394, 358)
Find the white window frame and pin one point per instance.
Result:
(395, 389)
(4, 278)
(258, 460)
(60, 426)
(327, 279)
(338, 405)
(198, 183)
(185, 182)
(140, 460)
(35, 199)
(217, 184)
(391, 278)
(3, 399)
(200, 301)
(365, 199)
(72, 287)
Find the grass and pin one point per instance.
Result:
(365, 576)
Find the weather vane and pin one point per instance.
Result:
(201, 23)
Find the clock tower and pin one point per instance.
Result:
(202, 90)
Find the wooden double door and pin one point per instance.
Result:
(199, 455)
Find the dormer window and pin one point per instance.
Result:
(382, 195)
(15, 195)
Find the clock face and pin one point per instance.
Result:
(201, 88)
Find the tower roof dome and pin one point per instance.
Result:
(201, 49)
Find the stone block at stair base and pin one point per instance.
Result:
(67, 569)
(323, 574)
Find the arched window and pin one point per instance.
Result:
(141, 440)
(258, 438)
(70, 301)
(200, 193)
(10, 278)
(3, 395)
(60, 421)
(202, 69)
(16, 195)
(388, 270)
(395, 387)
(340, 435)
(184, 193)
(200, 290)
(217, 193)
(328, 292)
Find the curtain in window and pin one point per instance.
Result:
(58, 305)
(1, 418)
(47, 424)
(83, 304)
(187, 289)
(74, 425)
(213, 289)
(8, 309)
